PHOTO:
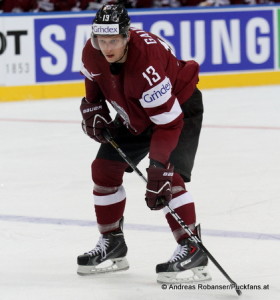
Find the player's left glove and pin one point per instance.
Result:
(96, 119)
(158, 193)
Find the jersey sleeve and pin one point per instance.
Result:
(165, 113)
(93, 91)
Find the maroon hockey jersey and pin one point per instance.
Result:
(148, 91)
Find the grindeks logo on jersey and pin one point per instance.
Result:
(157, 95)
(105, 29)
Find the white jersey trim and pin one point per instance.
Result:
(179, 201)
(86, 73)
(168, 116)
(157, 95)
(117, 197)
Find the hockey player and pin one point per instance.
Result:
(159, 113)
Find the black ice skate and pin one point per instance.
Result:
(107, 256)
(188, 264)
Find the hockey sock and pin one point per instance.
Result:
(183, 204)
(108, 193)
(109, 209)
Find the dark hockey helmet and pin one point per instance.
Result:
(111, 20)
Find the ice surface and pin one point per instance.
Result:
(47, 217)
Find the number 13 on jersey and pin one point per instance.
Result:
(151, 75)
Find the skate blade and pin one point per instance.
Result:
(109, 266)
(193, 275)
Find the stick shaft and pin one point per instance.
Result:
(175, 216)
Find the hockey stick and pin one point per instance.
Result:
(174, 214)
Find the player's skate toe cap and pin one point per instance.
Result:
(83, 260)
(162, 268)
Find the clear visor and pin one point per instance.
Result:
(108, 42)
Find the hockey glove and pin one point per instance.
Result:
(158, 193)
(96, 119)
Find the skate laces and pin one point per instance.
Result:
(100, 247)
(179, 253)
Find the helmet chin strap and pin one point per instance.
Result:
(124, 53)
(116, 67)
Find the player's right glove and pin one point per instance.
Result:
(96, 120)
